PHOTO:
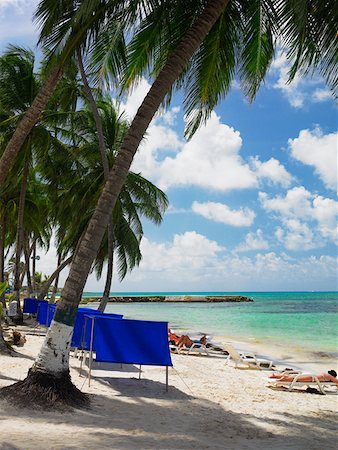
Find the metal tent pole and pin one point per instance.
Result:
(166, 378)
(91, 350)
(83, 337)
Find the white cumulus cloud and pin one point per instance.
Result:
(308, 220)
(321, 95)
(210, 160)
(301, 90)
(272, 171)
(298, 236)
(190, 261)
(220, 212)
(253, 242)
(314, 148)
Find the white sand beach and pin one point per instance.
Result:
(209, 406)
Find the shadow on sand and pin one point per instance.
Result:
(134, 418)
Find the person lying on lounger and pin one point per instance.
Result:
(173, 338)
(331, 375)
(185, 341)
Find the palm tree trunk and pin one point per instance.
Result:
(109, 276)
(34, 267)
(173, 68)
(55, 287)
(28, 253)
(27, 123)
(2, 259)
(96, 115)
(52, 362)
(20, 231)
(105, 166)
(46, 285)
(28, 272)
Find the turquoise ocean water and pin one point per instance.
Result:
(300, 319)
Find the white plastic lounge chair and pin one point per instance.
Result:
(197, 347)
(296, 383)
(246, 360)
(174, 348)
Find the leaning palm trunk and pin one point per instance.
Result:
(110, 264)
(27, 270)
(28, 122)
(2, 260)
(105, 166)
(46, 285)
(50, 371)
(34, 267)
(56, 283)
(20, 232)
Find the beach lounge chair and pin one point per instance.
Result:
(196, 347)
(246, 360)
(297, 383)
(199, 348)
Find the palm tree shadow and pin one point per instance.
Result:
(17, 354)
(146, 388)
(126, 385)
(4, 377)
(147, 417)
(8, 446)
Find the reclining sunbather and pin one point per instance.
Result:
(185, 341)
(331, 375)
(173, 338)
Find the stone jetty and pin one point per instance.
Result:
(183, 298)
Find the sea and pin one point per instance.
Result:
(306, 320)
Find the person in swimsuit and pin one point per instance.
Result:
(331, 375)
(173, 337)
(187, 342)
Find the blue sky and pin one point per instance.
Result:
(252, 196)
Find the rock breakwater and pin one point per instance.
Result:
(183, 298)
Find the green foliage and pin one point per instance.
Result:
(3, 287)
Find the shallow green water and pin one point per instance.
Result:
(303, 319)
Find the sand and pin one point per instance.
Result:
(209, 406)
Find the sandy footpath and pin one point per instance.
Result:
(209, 406)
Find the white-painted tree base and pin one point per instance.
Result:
(54, 353)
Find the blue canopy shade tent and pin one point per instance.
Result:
(30, 305)
(44, 314)
(130, 342)
(81, 333)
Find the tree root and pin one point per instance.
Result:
(44, 390)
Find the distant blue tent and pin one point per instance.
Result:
(131, 341)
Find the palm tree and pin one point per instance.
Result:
(74, 194)
(67, 29)
(18, 87)
(308, 28)
(52, 361)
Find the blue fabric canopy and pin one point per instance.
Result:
(30, 305)
(131, 341)
(44, 316)
(81, 333)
